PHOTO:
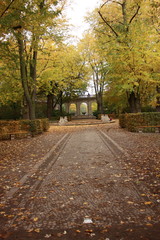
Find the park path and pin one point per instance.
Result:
(83, 185)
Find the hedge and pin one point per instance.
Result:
(36, 126)
(122, 120)
(9, 126)
(132, 121)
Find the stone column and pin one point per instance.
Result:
(78, 104)
(67, 107)
(90, 108)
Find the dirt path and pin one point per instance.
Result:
(84, 191)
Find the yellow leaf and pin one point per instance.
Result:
(20, 214)
(35, 219)
(89, 230)
(148, 203)
(149, 225)
(129, 202)
(10, 216)
(122, 222)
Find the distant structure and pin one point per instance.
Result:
(88, 100)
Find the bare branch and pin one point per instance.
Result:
(118, 3)
(110, 1)
(105, 21)
(6, 8)
(104, 4)
(134, 15)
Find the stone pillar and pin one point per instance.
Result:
(87, 102)
(67, 105)
(90, 108)
(78, 104)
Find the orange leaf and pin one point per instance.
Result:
(148, 203)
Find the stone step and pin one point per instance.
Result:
(84, 117)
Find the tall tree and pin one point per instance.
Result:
(127, 37)
(98, 66)
(10, 84)
(63, 74)
(29, 22)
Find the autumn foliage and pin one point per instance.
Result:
(32, 126)
(132, 121)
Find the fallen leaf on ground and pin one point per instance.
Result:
(89, 230)
(129, 202)
(148, 203)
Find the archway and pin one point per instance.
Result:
(84, 108)
(93, 107)
(64, 108)
(72, 108)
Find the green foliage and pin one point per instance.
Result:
(57, 114)
(10, 83)
(133, 120)
(97, 64)
(122, 120)
(98, 113)
(62, 70)
(148, 109)
(41, 110)
(36, 126)
(10, 111)
(24, 27)
(127, 35)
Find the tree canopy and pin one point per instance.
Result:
(120, 53)
(127, 32)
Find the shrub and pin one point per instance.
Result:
(9, 126)
(133, 120)
(122, 120)
(36, 126)
(10, 111)
(45, 124)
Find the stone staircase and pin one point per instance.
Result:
(83, 117)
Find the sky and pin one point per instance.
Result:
(76, 13)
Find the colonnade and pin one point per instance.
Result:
(78, 102)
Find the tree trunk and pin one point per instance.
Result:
(138, 104)
(60, 103)
(33, 75)
(158, 99)
(49, 105)
(99, 102)
(25, 109)
(30, 104)
(134, 103)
